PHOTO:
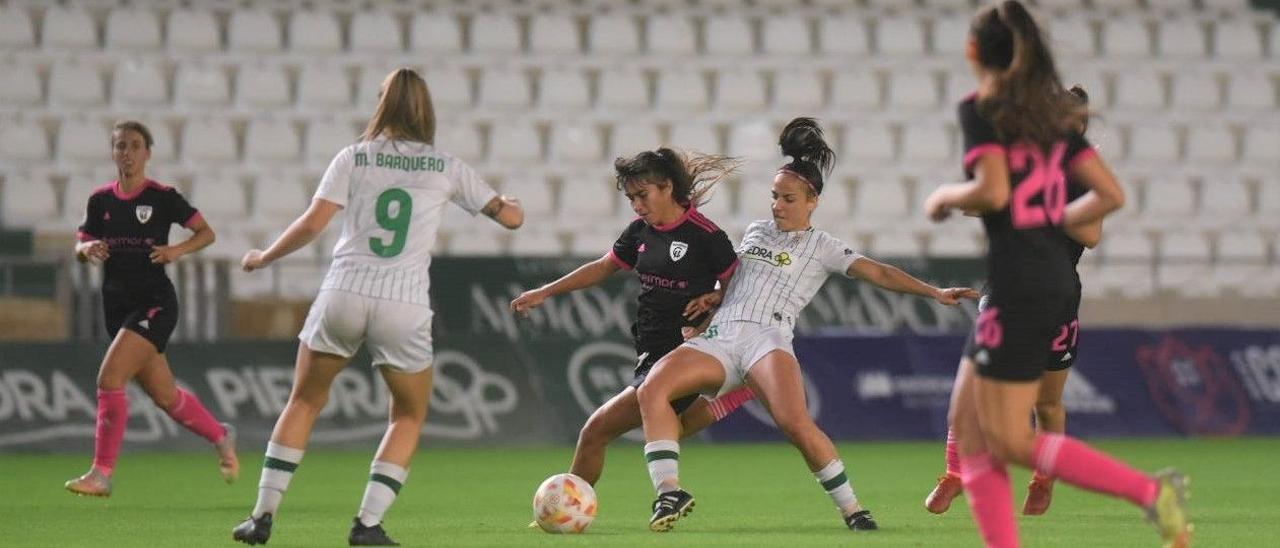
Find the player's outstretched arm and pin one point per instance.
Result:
(300, 233)
(586, 275)
(894, 279)
(988, 191)
(1105, 194)
(506, 211)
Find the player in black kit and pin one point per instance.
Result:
(678, 254)
(1021, 143)
(126, 228)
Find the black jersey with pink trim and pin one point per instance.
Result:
(675, 263)
(1026, 256)
(132, 225)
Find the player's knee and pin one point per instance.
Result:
(1010, 449)
(650, 393)
(593, 434)
(1049, 410)
(796, 426)
(165, 399)
(311, 404)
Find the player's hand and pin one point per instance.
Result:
(951, 296)
(528, 300)
(936, 207)
(94, 251)
(701, 304)
(689, 332)
(164, 254)
(253, 260)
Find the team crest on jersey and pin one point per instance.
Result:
(144, 213)
(678, 250)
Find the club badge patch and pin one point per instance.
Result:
(144, 213)
(678, 250)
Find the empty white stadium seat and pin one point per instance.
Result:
(69, 28)
(1184, 263)
(16, 30)
(755, 141)
(959, 84)
(1251, 90)
(1237, 39)
(697, 136)
(165, 149)
(681, 91)
(537, 243)
(75, 84)
(913, 90)
(1125, 37)
(786, 35)
(553, 33)
(254, 31)
(564, 89)
(325, 138)
(1182, 37)
(435, 32)
(868, 142)
(1139, 89)
(613, 34)
(632, 137)
(28, 200)
(375, 31)
(1262, 145)
(220, 197)
(369, 84)
(278, 198)
(314, 31)
(797, 91)
(926, 143)
(740, 91)
(208, 140)
(20, 86)
(535, 196)
(1241, 260)
(855, 89)
(879, 202)
(1168, 199)
(1211, 144)
(728, 35)
(474, 244)
(843, 34)
(75, 197)
(1127, 269)
(514, 143)
(460, 139)
(191, 30)
(83, 141)
(450, 87)
(139, 84)
(325, 88)
(201, 86)
(1224, 202)
(581, 199)
(271, 141)
(670, 34)
(1194, 90)
(1156, 143)
(231, 245)
(623, 89)
(1072, 36)
(718, 204)
(950, 35)
(573, 142)
(132, 28)
(834, 204)
(505, 89)
(495, 33)
(954, 243)
(592, 244)
(901, 35)
(893, 244)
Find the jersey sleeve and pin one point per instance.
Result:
(470, 191)
(91, 227)
(1078, 149)
(979, 136)
(835, 255)
(625, 250)
(335, 185)
(181, 211)
(723, 257)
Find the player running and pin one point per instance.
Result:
(1021, 144)
(126, 229)
(394, 185)
(784, 262)
(1050, 414)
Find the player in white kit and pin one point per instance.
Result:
(394, 185)
(783, 263)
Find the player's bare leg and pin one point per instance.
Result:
(128, 353)
(609, 422)
(1051, 416)
(156, 379)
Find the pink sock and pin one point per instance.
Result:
(113, 417)
(986, 484)
(722, 406)
(189, 412)
(953, 455)
(1076, 463)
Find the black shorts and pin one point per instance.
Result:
(1014, 341)
(1062, 353)
(153, 317)
(645, 362)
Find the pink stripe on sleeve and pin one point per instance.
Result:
(618, 261)
(977, 152)
(1081, 156)
(85, 236)
(728, 271)
(197, 217)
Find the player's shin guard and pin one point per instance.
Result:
(663, 458)
(277, 471)
(986, 483)
(190, 413)
(385, 480)
(1076, 463)
(113, 418)
(834, 481)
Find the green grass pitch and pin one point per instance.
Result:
(748, 495)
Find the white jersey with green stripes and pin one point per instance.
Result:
(394, 194)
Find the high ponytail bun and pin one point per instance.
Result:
(812, 158)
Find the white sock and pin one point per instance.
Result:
(663, 457)
(385, 480)
(277, 471)
(832, 479)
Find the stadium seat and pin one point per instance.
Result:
(75, 85)
(16, 30)
(324, 138)
(913, 90)
(797, 91)
(1072, 36)
(785, 35)
(83, 140)
(899, 35)
(613, 34)
(756, 142)
(132, 28)
(632, 137)
(191, 30)
(1267, 207)
(253, 30)
(469, 244)
(495, 33)
(514, 143)
(230, 245)
(325, 88)
(728, 35)
(434, 32)
(670, 34)
(879, 203)
(1153, 144)
(1127, 268)
(581, 198)
(592, 244)
(535, 196)
(623, 89)
(719, 202)
(263, 86)
(842, 35)
(1224, 202)
(1197, 91)
(1182, 38)
(208, 141)
(165, 149)
(21, 86)
(575, 143)
(504, 89)
(855, 90)
(1185, 264)
(1237, 40)
(740, 91)
(75, 197)
(1125, 37)
(68, 28)
(271, 141)
(867, 143)
(959, 85)
(553, 33)
(926, 144)
(681, 91)
(888, 245)
(220, 197)
(450, 87)
(460, 139)
(1251, 90)
(834, 204)
(949, 36)
(314, 31)
(278, 198)
(564, 90)
(28, 200)
(1139, 90)
(376, 32)
(1241, 260)
(697, 136)
(200, 86)
(1262, 145)
(139, 84)
(1168, 198)
(1210, 144)
(537, 243)
(954, 243)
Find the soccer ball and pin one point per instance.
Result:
(564, 503)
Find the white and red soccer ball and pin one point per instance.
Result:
(564, 503)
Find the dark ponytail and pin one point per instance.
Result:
(1029, 102)
(691, 174)
(811, 157)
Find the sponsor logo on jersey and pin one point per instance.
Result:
(143, 212)
(642, 248)
(145, 324)
(678, 250)
(757, 253)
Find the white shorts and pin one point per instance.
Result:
(738, 346)
(398, 334)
